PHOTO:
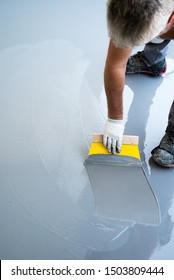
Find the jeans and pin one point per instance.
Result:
(155, 53)
(170, 126)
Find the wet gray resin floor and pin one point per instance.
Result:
(52, 55)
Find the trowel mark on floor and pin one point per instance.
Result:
(56, 120)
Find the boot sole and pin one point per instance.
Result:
(163, 164)
(147, 72)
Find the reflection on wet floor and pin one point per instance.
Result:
(51, 102)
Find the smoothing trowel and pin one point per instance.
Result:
(121, 189)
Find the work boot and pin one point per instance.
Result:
(139, 64)
(164, 153)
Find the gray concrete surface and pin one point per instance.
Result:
(52, 56)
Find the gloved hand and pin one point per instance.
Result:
(113, 134)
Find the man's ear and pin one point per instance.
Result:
(169, 24)
(171, 19)
(168, 33)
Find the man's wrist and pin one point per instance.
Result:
(115, 116)
(116, 121)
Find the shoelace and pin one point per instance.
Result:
(168, 140)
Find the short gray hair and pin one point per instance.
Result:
(135, 22)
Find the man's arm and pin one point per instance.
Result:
(114, 79)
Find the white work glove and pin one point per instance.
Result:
(113, 134)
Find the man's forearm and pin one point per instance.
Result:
(114, 84)
(114, 79)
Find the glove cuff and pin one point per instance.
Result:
(116, 121)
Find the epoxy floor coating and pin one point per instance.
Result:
(52, 56)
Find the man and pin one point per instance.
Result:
(132, 23)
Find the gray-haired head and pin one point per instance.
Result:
(136, 22)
